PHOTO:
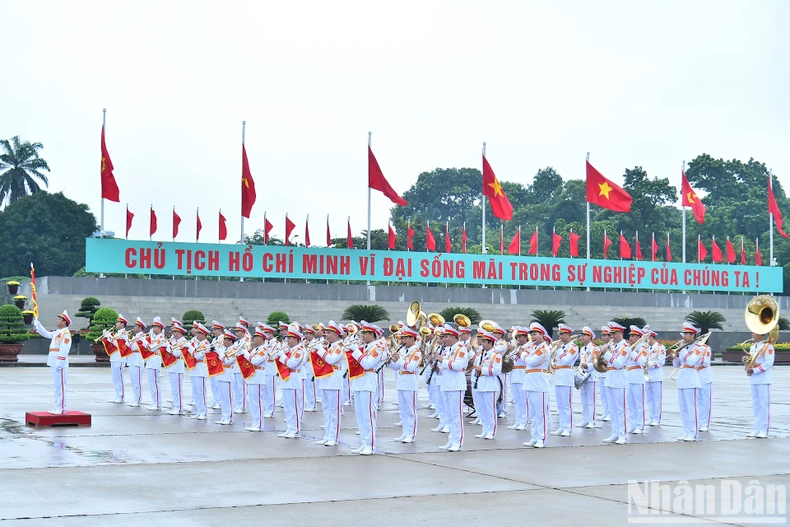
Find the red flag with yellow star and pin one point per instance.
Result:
(605, 193)
(690, 199)
(500, 205)
(109, 188)
(247, 185)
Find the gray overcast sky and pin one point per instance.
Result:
(634, 83)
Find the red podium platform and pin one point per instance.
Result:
(70, 418)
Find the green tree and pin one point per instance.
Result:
(20, 166)
(47, 229)
(368, 313)
(549, 318)
(706, 320)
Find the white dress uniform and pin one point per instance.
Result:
(453, 388)
(176, 374)
(537, 382)
(197, 378)
(475, 355)
(406, 368)
(365, 389)
(704, 401)
(600, 378)
(637, 358)
(654, 388)
(153, 365)
(58, 360)
(136, 365)
(239, 384)
(436, 382)
(270, 375)
(688, 387)
(617, 384)
(760, 382)
(429, 346)
(256, 385)
(329, 388)
(517, 384)
(293, 359)
(225, 380)
(117, 365)
(588, 390)
(216, 393)
(488, 389)
(565, 358)
(309, 389)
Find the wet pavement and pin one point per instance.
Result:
(134, 465)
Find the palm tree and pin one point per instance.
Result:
(19, 165)
(549, 319)
(706, 320)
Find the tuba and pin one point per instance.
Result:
(762, 318)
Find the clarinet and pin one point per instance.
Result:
(477, 378)
(390, 359)
(433, 366)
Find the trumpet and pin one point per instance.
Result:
(702, 339)
(105, 333)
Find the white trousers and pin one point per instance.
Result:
(216, 394)
(454, 411)
(440, 406)
(239, 392)
(704, 403)
(330, 406)
(407, 408)
(59, 377)
(310, 395)
(255, 393)
(153, 387)
(117, 379)
(520, 402)
(761, 406)
(199, 394)
(269, 393)
(292, 401)
(687, 400)
(654, 399)
(564, 396)
(176, 390)
(487, 411)
(617, 407)
(136, 376)
(502, 407)
(380, 398)
(636, 406)
(606, 403)
(475, 399)
(346, 391)
(367, 416)
(587, 392)
(226, 400)
(539, 414)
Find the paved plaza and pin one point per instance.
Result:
(136, 467)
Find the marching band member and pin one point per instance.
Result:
(600, 377)
(565, 358)
(320, 335)
(365, 386)
(465, 336)
(332, 352)
(176, 370)
(153, 365)
(218, 332)
(521, 335)
(453, 364)
(588, 353)
(436, 381)
(760, 381)
(293, 358)
(429, 343)
(407, 365)
(636, 381)
(687, 359)
(308, 375)
(243, 344)
(705, 374)
(537, 382)
(487, 383)
(476, 356)
(197, 376)
(226, 353)
(58, 358)
(617, 383)
(501, 406)
(351, 328)
(117, 362)
(135, 362)
(258, 357)
(269, 370)
(654, 387)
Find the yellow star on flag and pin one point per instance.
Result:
(246, 183)
(497, 188)
(103, 164)
(690, 197)
(605, 189)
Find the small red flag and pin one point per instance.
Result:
(267, 229)
(500, 205)
(448, 243)
(702, 252)
(758, 259)
(223, 227)
(307, 231)
(715, 252)
(668, 250)
(109, 188)
(515, 243)
(152, 222)
(556, 242)
(773, 208)
(129, 218)
(653, 248)
(377, 181)
(176, 223)
(604, 193)
(463, 239)
(247, 185)
(289, 228)
(743, 253)
(637, 249)
(730, 252)
(690, 199)
(328, 236)
(349, 239)
(198, 225)
(410, 238)
(606, 243)
(625, 248)
(430, 241)
(391, 238)
(533, 243)
(574, 244)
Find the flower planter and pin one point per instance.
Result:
(736, 355)
(98, 351)
(13, 288)
(20, 303)
(27, 316)
(10, 352)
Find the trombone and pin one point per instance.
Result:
(105, 333)
(677, 346)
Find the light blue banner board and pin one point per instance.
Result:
(262, 261)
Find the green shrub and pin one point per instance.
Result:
(275, 317)
(193, 315)
(548, 318)
(472, 313)
(12, 326)
(104, 318)
(706, 320)
(368, 313)
(88, 308)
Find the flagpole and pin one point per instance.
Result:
(519, 245)
(483, 247)
(770, 222)
(243, 137)
(683, 170)
(369, 137)
(101, 231)
(588, 222)
(408, 229)
(197, 217)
